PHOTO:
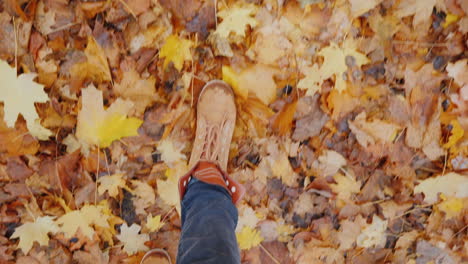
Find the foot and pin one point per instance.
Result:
(216, 118)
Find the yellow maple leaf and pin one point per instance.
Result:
(235, 20)
(168, 189)
(142, 92)
(169, 153)
(248, 238)
(451, 206)
(96, 66)
(312, 80)
(18, 94)
(83, 220)
(133, 241)
(111, 184)
(153, 223)
(334, 61)
(456, 134)
(232, 78)
(36, 231)
(99, 126)
(176, 50)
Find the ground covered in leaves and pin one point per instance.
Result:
(350, 138)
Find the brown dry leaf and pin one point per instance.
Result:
(371, 132)
(95, 67)
(258, 80)
(140, 91)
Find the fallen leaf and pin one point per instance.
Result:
(111, 184)
(36, 231)
(373, 235)
(421, 10)
(312, 81)
(235, 20)
(99, 126)
(232, 78)
(153, 223)
(247, 217)
(451, 184)
(19, 93)
(145, 196)
(258, 80)
(169, 152)
(359, 7)
(248, 238)
(451, 206)
(329, 163)
(140, 91)
(83, 220)
(345, 186)
(168, 189)
(176, 50)
(456, 134)
(95, 66)
(133, 241)
(334, 61)
(370, 132)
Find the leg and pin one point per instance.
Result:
(209, 219)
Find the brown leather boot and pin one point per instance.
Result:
(216, 118)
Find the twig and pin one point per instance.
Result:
(97, 177)
(64, 27)
(269, 254)
(428, 44)
(128, 7)
(16, 45)
(445, 163)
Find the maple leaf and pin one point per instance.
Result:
(176, 50)
(99, 126)
(19, 93)
(258, 80)
(169, 153)
(235, 20)
(329, 163)
(168, 189)
(36, 231)
(133, 241)
(247, 217)
(96, 66)
(359, 7)
(345, 186)
(370, 132)
(144, 196)
(451, 184)
(334, 61)
(373, 234)
(421, 10)
(248, 238)
(111, 184)
(141, 92)
(451, 206)
(312, 80)
(231, 78)
(456, 134)
(153, 223)
(83, 220)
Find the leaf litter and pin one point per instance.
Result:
(350, 139)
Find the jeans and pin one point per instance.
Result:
(209, 220)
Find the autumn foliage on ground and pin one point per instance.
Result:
(350, 138)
